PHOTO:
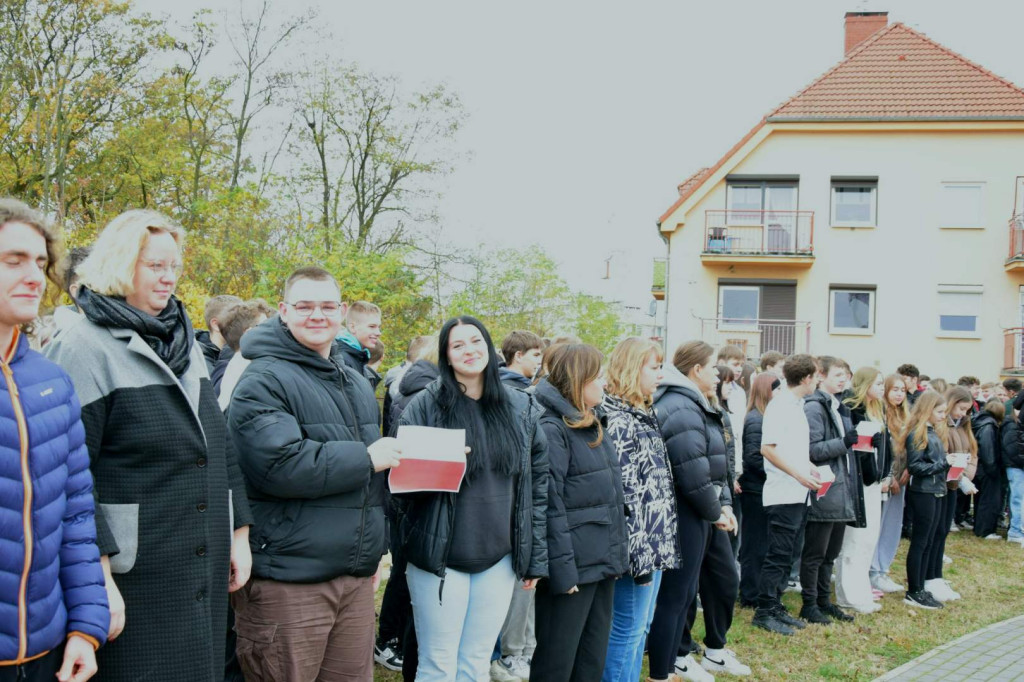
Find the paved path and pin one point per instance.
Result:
(993, 653)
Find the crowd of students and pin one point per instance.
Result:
(180, 505)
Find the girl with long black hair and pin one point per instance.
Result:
(466, 549)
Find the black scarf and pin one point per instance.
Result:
(169, 334)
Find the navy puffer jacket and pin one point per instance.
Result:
(753, 477)
(694, 435)
(44, 463)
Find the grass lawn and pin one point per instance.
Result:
(988, 574)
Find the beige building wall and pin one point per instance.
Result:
(907, 256)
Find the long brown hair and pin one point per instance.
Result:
(919, 416)
(624, 367)
(571, 366)
(954, 396)
(863, 380)
(896, 418)
(761, 392)
(692, 353)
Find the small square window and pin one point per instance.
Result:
(962, 205)
(959, 306)
(738, 307)
(851, 311)
(854, 204)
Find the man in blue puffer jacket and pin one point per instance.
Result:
(53, 603)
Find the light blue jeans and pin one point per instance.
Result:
(889, 536)
(456, 633)
(1016, 478)
(632, 613)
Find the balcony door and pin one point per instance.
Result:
(780, 218)
(762, 216)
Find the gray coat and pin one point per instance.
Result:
(827, 447)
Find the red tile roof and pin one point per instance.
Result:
(902, 74)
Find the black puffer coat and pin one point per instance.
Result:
(1013, 453)
(301, 424)
(986, 432)
(753, 477)
(429, 517)
(586, 508)
(871, 467)
(927, 467)
(827, 447)
(419, 375)
(694, 435)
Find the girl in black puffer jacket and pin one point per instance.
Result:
(587, 545)
(989, 476)
(694, 435)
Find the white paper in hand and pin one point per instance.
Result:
(826, 478)
(432, 460)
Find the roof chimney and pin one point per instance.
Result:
(862, 25)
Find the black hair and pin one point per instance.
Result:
(501, 437)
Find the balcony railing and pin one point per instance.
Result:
(756, 337)
(762, 233)
(1016, 226)
(1013, 350)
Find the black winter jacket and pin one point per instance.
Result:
(827, 447)
(694, 435)
(753, 477)
(870, 467)
(586, 508)
(210, 350)
(419, 375)
(426, 529)
(302, 424)
(927, 467)
(986, 432)
(1013, 453)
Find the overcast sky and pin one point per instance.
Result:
(584, 116)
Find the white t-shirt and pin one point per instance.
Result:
(785, 427)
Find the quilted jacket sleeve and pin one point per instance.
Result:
(561, 558)
(822, 451)
(277, 458)
(682, 427)
(753, 460)
(540, 481)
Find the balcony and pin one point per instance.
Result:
(658, 280)
(756, 337)
(1015, 259)
(771, 237)
(1013, 351)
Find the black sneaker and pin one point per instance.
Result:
(388, 655)
(766, 620)
(812, 614)
(922, 600)
(935, 602)
(783, 616)
(836, 613)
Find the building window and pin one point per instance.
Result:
(854, 203)
(959, 306)
(738, 307)
(962, 205)
(851, 311)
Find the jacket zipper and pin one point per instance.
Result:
(26, 481)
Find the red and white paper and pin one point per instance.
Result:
(432, 460)
(960, 460)
(826, 478)
(865, 431)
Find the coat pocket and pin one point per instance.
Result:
(591, 531)
(123, 520)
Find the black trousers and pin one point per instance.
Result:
(43, 669)
(988, 504)
(963, 507)
(572, 632)
(396, 606)
(717, 586)
(933, 569)
(822, 544)
(754, 529)
(678, 590)
(785, 521)
(736, 538)
(926, 514)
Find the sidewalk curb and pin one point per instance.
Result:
(907, 667)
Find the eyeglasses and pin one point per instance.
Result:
(306, 308)
(160, 268)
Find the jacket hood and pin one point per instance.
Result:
(549, 397)
(419, 375)
(984, 418)
(210, 349)
(508, 375)
(674, 380)
(273, 340)
(351, 345)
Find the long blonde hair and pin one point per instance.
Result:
(863, 379)
(571, 366)
(917, 424)
(624, 367)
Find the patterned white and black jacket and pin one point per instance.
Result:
(647, 485)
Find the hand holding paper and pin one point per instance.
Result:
(826, 477)
(432, 460)
(865, 431)
(385, 453)
(957, 464)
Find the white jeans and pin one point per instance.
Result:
(456, 634)
(853, 581)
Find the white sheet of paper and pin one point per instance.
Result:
(428, 442)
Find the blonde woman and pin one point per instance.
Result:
(172, 517)
(853, 583)
(634, 370)
(894, 495)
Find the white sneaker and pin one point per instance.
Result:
(862, 608)
(794, 586)
(723, 661)
(500, 672)
(953, 594)
(938, 589)
(954, 528)
(518, 666)
(993, 536)
(1019, 539)
(885, 583)
(688, 669)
